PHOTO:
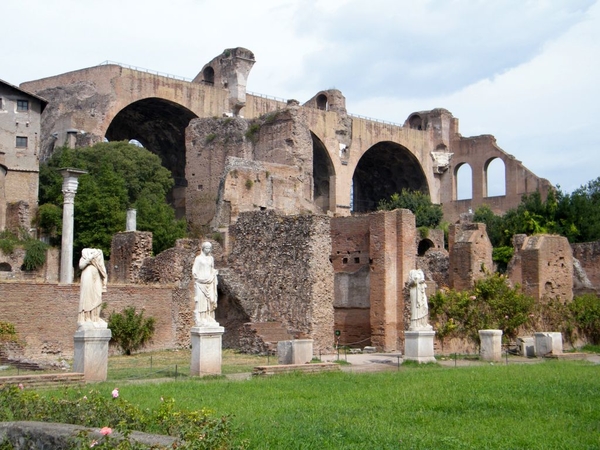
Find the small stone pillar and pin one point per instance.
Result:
(206, 350)
(491, 345)
(418, 346)
(91, 353)
(131, 223)
(548, 343)
(298, 351)
(69, 189)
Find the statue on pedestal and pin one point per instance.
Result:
(419, 309)
(205, 287)
(93, 284)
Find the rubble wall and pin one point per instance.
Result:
(287, 276)
(588, 254)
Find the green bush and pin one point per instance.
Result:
(490, 304)
(7, 332)
(195, 430)
(586, 314)
(35, 254)
(8, 242)
(130, 330)
(426, 213)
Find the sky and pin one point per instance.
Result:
(527, 72)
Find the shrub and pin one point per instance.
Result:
(35, 254)
(586, 314)
(7, 332)
(194, 429)
(130, 330)
(8, 242)
(490, 304)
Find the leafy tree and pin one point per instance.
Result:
(120, 176)
(130, 330)
(426, 213)
(586, 312)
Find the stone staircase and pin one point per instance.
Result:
(262, 337)
(47, 380)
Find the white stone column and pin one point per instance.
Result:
(491, 345)
(131, 223)
(69, 189)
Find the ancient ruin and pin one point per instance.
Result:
(287, 193)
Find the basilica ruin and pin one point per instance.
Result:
(288, 191)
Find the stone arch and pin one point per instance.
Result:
(323, 172)
(424, 245)
(494, 176)
(386, 168)
(416, 122)
(5, 267)
(208, 75)
(159, 125)
(463, 181)
(322, 102)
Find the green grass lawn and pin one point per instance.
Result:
(550, 405)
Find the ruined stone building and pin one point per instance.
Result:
(289, 193)
(20, 121)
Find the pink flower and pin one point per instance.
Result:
(93, 443)
(105, 431)
(472, 297)
(21, 386)
(115, 392)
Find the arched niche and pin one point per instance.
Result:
(495, 177)
(322, 102)
(424, 245)
(159, 126)
(386, 168)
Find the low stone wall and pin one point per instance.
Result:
(291, 368)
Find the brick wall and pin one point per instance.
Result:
(45, 315)
(588, 255)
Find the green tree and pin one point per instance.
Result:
(120, 176)
(130, 330)
(426, 213)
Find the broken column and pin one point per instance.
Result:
(69, 189)
(491, 345)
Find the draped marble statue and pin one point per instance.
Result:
(93, 284)
(419, 309)
(205, 287)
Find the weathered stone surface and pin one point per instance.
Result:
(588, 255)
(58, 436)
(470, 254)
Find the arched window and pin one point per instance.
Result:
(424, 245)
(495, 178)
(322, 102)
(208, 75)
(464, 182)
(5, 267)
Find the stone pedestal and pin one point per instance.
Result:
(298, 351)
(206, 350)
(491, 345)
(418, 346)
(91, 353)
(526, 346)
(548, 343)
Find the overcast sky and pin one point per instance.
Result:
(527, 72)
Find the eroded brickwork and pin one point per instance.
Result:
(287, 276)
(588, 255)
(547, 267)
(127, 253)
(470, 254)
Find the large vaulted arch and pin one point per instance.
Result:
(323, 172)
(384, 169)
(159, 125)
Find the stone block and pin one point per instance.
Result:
(526, 346)
(298, 351)
(548, 343)
(418, 346)
(491, 345)
(206, 350)
(91, 353)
